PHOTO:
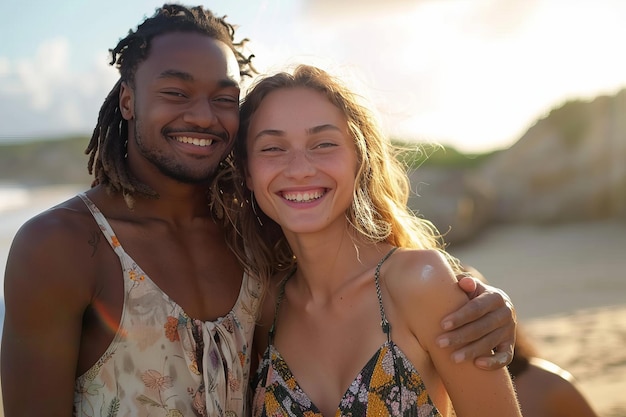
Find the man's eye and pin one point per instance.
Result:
(174, 94)
(228, 99)
(271, 149)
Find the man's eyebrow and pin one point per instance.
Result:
(181, 75)
(185, 76)
(228, 82)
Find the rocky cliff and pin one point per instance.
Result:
(569, 166)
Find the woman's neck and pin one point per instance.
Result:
(326, 266)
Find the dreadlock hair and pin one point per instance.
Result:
(107, 147)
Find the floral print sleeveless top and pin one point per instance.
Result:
(162, 362)
(388, 384)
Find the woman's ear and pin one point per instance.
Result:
(249, 182)
(126, 101)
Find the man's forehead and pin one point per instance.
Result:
(186, 48)
(234, 70)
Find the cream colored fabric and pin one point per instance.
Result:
(152, 368)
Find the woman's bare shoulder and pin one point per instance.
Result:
(418, 271)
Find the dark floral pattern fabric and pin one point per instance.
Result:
(388, 385)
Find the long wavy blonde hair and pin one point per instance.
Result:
(379, 211)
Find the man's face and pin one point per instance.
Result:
(183, 110)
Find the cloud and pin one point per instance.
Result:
(38, 77)
(44, 96)
(332, 9)
(473, 73)
(461, 71)
(4, 67)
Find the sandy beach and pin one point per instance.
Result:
(568, 283)
(589, 344)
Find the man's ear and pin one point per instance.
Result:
(126, 101)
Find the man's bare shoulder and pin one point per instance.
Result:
(53, 246)
(59, 222)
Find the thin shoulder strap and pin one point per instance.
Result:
(384, 323)
(281, 294)
(102, 222)
(386, 326)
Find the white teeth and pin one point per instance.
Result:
(303, 197)
(194, 141)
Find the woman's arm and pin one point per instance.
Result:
(473, 391)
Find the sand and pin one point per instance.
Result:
(568, 283)
(589, 344)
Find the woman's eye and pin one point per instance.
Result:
(326, 145)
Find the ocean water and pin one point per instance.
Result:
(18, 204)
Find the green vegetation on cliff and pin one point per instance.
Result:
(63, 160)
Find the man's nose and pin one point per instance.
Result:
(201, 113)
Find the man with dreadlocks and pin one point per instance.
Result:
(173, 337)
(78, 334)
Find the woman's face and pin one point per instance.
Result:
(302, 160)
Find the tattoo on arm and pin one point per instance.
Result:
(93, 242)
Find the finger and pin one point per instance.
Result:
(509, 305)
(473, 310)
(480, 350)
(468, 284)
(496, 324)
(496, 361)
(502, 356)
(483, 347)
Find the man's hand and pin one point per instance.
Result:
(484, 328)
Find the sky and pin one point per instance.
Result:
(473, 74)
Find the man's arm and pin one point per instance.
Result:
(45, 299)
(484, 328)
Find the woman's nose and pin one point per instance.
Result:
(299, 164)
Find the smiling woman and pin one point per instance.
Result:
(334, 238)
(297, 151)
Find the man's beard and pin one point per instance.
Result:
(171, 168)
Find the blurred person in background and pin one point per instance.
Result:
(543, 388)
